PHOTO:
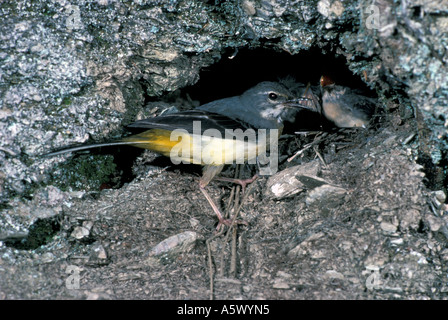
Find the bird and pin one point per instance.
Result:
(212, 134)
(344, 106)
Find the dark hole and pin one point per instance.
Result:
(436, 177)
(230, 77)
(40, 232)
(421, 227)
(416, 11)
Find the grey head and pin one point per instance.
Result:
(265, 105)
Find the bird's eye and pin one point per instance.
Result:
(273, 96)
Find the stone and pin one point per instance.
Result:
(325, 198)
(290, 181)
(173, 246)
(80, 232)
(388, 227)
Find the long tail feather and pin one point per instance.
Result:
(92, 146)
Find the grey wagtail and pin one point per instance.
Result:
(212, 135)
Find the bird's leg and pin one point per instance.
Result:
(227, 222)
(210, 173)
(215, 209)
(242, 182)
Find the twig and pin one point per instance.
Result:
(232, 270)
(235, 197)
(230, 230)
(307, 146)
(320, 156)
(236, 208)
(210, 263)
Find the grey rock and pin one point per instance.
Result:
(325, 197)
(293, 180)
(98, 254)
(173, 246)
(67, 75)
(80, 233)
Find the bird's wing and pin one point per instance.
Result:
(187, 120)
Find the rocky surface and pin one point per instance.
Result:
(365, 217)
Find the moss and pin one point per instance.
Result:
(86, 172)
(40, 232)
(66, 101)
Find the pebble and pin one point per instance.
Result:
(98, 254)
(80, 232)
(47, 257)
(326, 196)
(280, 284)
(173, 246)
(397, 242)
(83, 231)
(388, 227)
(333, 274)
(289, 182)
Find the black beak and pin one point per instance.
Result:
(302, 103)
